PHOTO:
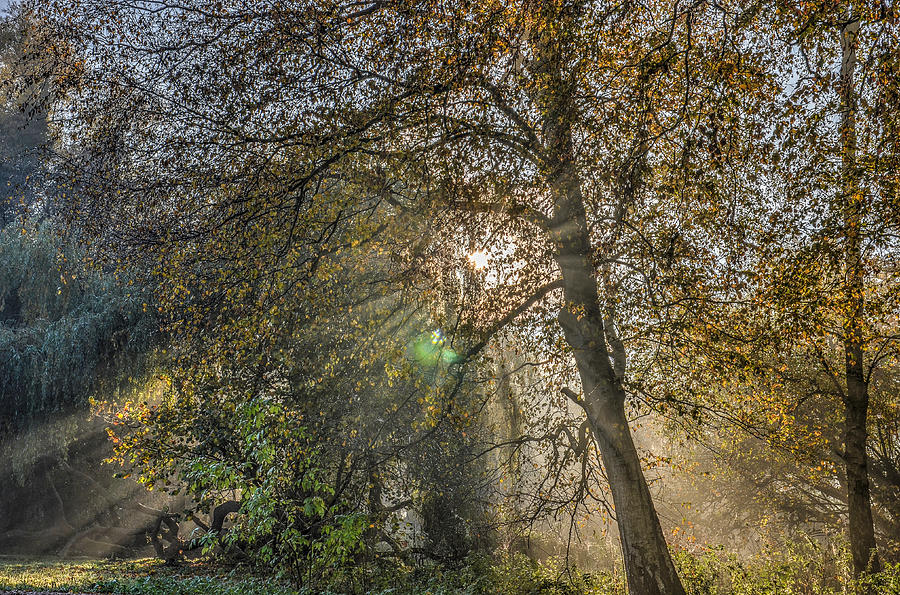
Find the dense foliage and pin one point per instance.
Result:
(329, 416)
(64, 330)
(430, 274)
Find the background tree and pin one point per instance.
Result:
(63, 330)
(21, 134)
(810, 326)
(67, 331)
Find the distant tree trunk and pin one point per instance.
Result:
(510, 456)
(856, 399)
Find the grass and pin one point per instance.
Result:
(803, 570)
(134, 577)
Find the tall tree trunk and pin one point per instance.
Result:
(856, 399)
(648, 565)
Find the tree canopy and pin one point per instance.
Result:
(346, 210)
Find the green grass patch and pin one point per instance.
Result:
(135, 577)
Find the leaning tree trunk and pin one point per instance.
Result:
(648, 564)
(856, 399)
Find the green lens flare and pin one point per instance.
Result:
(428, 349)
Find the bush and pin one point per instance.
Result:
(798, 566)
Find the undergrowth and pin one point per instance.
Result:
(800, 568)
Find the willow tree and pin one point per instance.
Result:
(560, 139)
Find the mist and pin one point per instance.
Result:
(540, 297)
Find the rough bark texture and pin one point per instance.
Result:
(856, 399)
(861, 525)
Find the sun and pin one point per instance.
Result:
(478, 259)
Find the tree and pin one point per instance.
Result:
(22, 134)
(856, 177)
(64, 331)
(546, 134)
(812, 324)
(329, 415)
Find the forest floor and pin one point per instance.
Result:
(129, 577)
(711, 573)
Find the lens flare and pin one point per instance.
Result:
(429, 349)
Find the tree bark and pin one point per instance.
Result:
(649, 568)
(648, 565)
(856, 399)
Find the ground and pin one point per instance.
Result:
(131, 577)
